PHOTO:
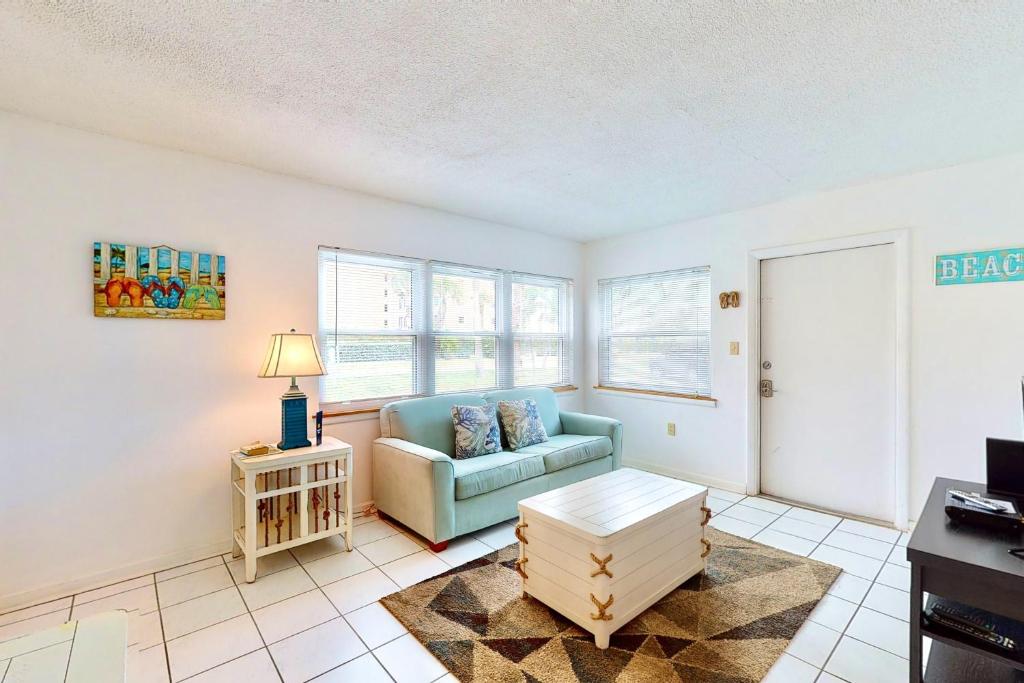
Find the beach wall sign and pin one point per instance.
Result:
(975, 267)
(130, 281)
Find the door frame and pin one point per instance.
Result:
(900, 239)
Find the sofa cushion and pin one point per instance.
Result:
(425, 421)
(521, 423)
(476, 431)
(566, 450)
(547, 404)
(486, 473)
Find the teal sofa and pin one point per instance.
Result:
(417, 481)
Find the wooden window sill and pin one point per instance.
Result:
(367, 409)
(707, 400)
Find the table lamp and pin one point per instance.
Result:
(292, 355)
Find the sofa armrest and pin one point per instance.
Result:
(595, 425)
(415, 485)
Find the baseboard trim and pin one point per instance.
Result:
(695, 477)
(42, 594)
(35, 596)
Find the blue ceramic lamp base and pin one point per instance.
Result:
(293, 420)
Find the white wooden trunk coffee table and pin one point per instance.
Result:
(603, 550)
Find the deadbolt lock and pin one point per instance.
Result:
(767, 365)
(767, 391)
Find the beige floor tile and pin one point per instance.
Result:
(286, 618)
(409, 662)
(194, 585)
(275, 587)
(147, 666)
(337, 566)
(375, 624)
(36, 611)
(255, 667)
(199, 613)
(266, 565)
(391, 548)
(360, 590)
(412, 569)
(142, 600)
(113, 589)
(212, 646)
(189, 568)
(316, 651)
(364, 669)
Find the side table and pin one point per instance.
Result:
(283, 500)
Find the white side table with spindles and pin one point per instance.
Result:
(283, 500)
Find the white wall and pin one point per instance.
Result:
(114, 432)
(967, 342)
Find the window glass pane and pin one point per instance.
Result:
(361, 367)
(537, 361)
(535, 308)
(369, 297)
(655, 332)
(660, 304)
(463, 303)
(462, 363)
(667, 362)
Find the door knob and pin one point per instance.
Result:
(767, 390)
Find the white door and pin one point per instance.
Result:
(828, 348)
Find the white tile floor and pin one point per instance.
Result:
(860, 631)
(313, 614)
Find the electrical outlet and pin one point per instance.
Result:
(671, 428)
(734, 348)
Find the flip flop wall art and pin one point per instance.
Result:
(157, 282)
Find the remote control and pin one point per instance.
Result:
(975, 499)
(969, 624)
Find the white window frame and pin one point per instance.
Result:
(425, 381)
(606, 335)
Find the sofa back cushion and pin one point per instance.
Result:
(547, 404)
(425, 421)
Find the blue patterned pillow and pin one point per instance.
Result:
(522, 423)
(476, 431)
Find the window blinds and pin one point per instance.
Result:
(465, 328)
(369, 324)
(390, 326)
(655, 332)
(540, 318)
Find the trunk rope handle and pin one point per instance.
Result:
(601, 616)
(602, 566)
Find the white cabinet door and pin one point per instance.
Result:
(828, 348)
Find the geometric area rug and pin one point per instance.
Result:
(727, 625)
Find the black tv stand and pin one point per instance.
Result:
(971, 566)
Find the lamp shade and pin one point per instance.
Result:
(292, 355)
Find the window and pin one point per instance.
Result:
(465, 328)
(655, 332)
(369, 325)
(540, 323)
(391, 326)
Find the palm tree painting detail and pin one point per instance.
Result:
(132, 281)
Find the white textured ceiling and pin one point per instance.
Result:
(581, 120)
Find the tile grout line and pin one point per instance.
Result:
(163, 636)
(842, 634)
(342, 616)
(251, 619)
(71, 651)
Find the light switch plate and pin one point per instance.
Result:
(671, 428)
(734, 348)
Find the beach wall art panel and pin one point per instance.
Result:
(157, 282)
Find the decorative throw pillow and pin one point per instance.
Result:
(476, 430)
(522, 423)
